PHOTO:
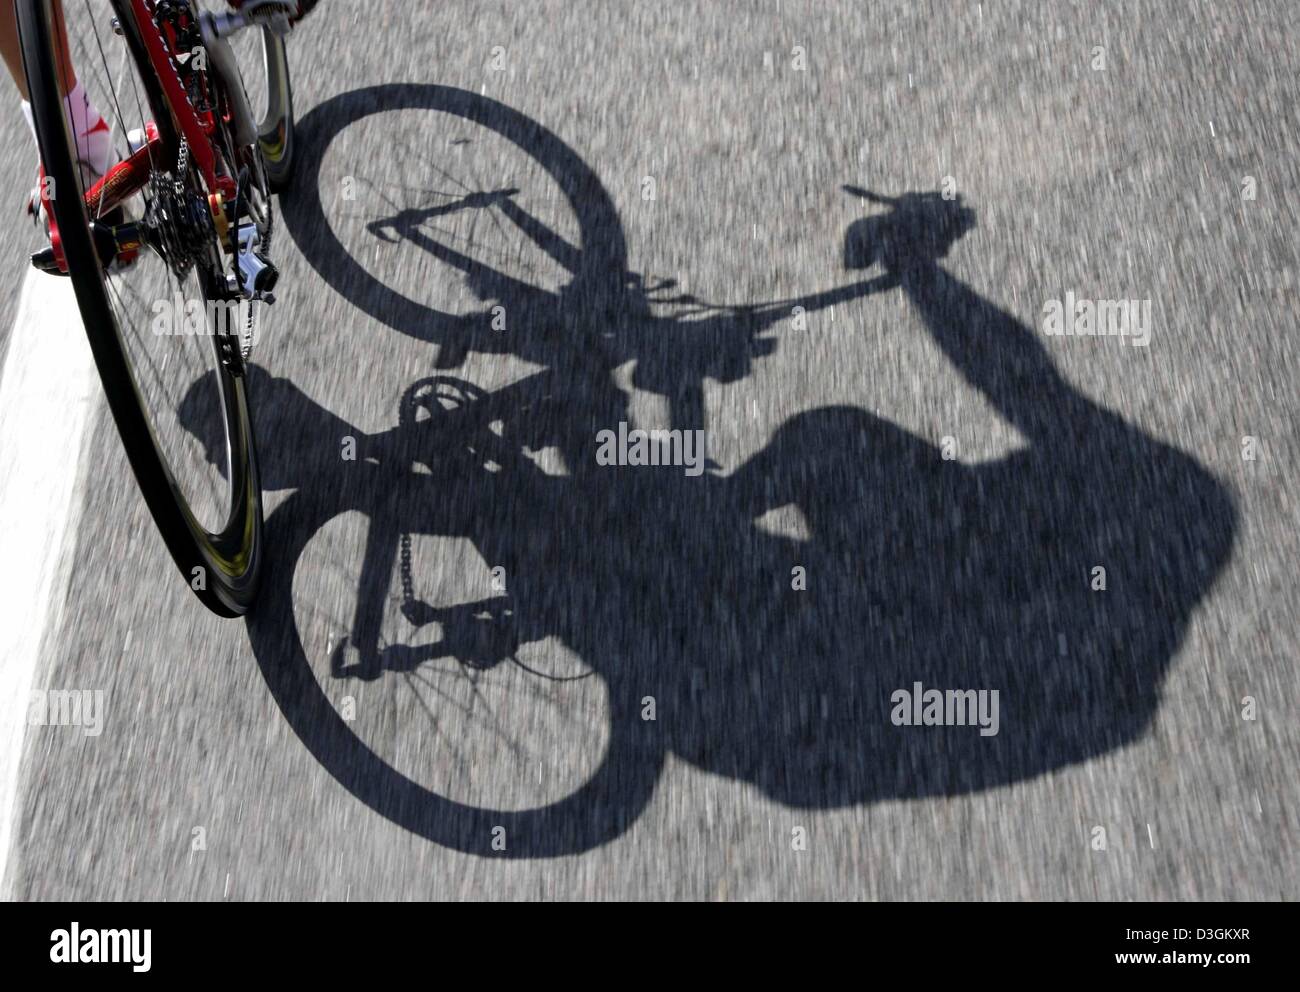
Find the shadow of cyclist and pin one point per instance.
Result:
(918, 569)
(926, 570)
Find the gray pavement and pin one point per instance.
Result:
(709, 143)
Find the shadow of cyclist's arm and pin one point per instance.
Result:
(1001, 357)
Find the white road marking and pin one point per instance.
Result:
(48, 394)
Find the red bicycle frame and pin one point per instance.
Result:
(198, 133)
(129, 176)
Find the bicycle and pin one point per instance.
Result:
(182, 226)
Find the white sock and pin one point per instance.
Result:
(90, 131)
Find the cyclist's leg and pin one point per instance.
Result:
(91, 131)
(12, 50)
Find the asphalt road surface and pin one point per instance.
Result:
(487, 666)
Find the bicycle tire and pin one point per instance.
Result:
(602, 248)
(231, 558)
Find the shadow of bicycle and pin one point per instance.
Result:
(916, 569)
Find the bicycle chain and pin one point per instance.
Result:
(405, 419)
(408, 585)
(182, 166)
(169, 11)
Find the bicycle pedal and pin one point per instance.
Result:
(274, 15)
(255, 274)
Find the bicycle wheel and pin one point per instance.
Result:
(158, 328)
